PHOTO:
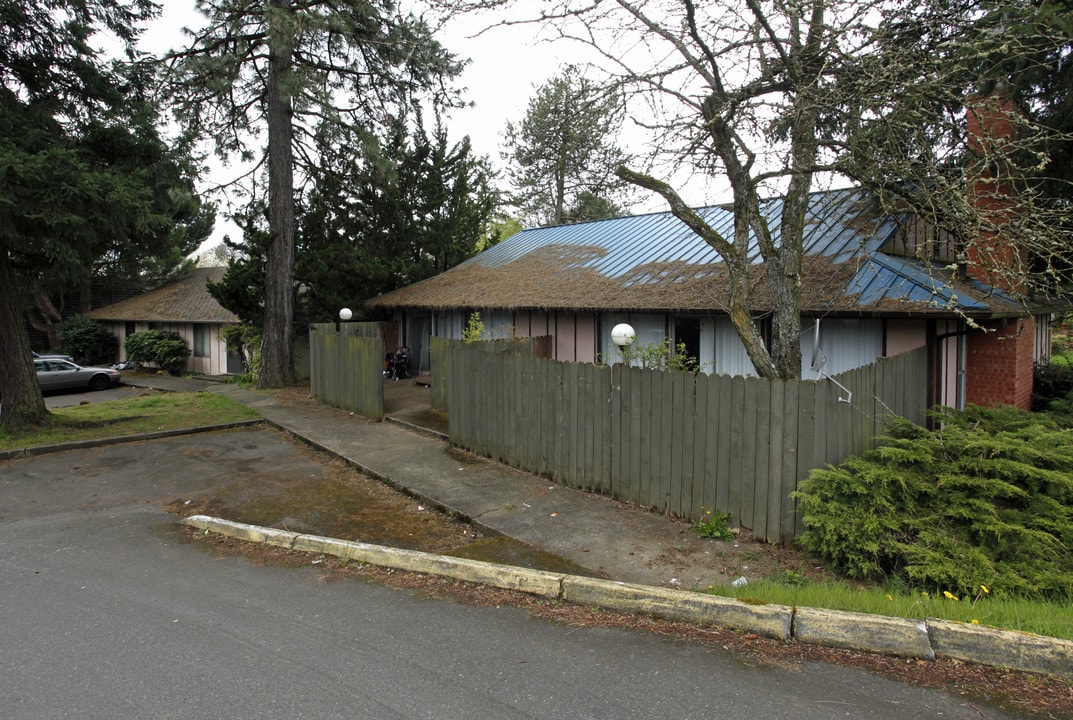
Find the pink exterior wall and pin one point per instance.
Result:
(903, 336)
(585, 338)
(532, 323)
(215, 364)
(565, 347)
(574, 333)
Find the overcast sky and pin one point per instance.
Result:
(506, 66)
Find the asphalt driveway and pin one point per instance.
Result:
(67, 398)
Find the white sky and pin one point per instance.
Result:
(507, 65)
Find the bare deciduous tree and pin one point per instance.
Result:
(776, 97)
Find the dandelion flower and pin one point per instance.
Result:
(984, 588)
(949, 595)
(975, 621)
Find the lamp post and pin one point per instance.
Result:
(344, 315)
(623, 335)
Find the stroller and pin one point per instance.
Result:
(395, 364)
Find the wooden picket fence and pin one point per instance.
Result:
(346, 367)
(671, 441)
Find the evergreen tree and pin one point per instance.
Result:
(1041, 82)
(563, 154)
(87, 179)
(379, 214)
(283, 71)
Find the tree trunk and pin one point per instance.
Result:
(21, 403)
(277, 367)
(47, 318)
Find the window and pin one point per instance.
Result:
(202, 341)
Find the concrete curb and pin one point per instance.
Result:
(855, 631)
(773, 621)
(1002, 648)
(118, 440)
(887, 635)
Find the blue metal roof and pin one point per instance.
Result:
(841, 229)
(638, 240)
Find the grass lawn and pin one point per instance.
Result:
(1041, 618)
(131, 416)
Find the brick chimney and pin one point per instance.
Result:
(999, 362)
(989, 258)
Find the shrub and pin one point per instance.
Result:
(88, 341)
(164, 348)
(474, 330)
(986, 500)
(659, 356)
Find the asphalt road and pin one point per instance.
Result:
(107, 615)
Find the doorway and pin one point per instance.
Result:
(687, 333)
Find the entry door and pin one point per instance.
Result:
(687, 332)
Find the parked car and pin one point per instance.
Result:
(61, 374)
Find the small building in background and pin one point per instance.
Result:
(186, 307)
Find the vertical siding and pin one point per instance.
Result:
(846, 343)
(564, 337)
(730, 355)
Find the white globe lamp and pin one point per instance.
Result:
(623, 334)
(345, 314)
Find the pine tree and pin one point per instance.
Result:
(283, 71)
(563, 153)
(379, 213)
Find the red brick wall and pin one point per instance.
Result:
(999, 365)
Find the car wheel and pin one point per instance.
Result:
(99, 382)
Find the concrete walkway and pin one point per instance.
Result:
(609, 538)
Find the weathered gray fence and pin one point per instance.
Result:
(540, 346)
(438, 375)
(346, 367)
(671, 441)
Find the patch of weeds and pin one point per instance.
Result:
(792, 577)
(713, 525)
